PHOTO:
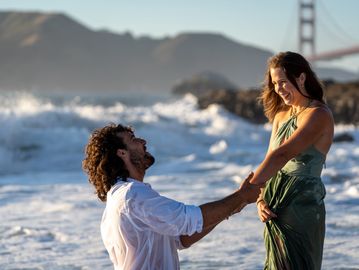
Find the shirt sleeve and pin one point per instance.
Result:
(148, 209)
(179, 243)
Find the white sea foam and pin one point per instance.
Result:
(218, 147)
(50, 214)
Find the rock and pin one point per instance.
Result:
(201, 83)
(342, 98)
(344, 137)
(242, 103)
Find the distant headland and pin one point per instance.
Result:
(53, 52)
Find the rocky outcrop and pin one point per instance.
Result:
(242, 103)
(211, 87)
(199, 84)
(344, 137)
(342, 98)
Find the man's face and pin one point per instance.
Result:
(136, 148)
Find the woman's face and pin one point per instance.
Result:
(284, 88)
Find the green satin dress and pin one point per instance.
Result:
(294, 240)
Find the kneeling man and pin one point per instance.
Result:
(140, 228)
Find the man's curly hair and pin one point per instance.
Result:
(101, 162)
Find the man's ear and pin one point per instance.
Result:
(122, 153)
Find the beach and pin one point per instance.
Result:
(51, 216)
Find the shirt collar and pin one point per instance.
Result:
(131, 180)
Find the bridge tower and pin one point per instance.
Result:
(307, 27)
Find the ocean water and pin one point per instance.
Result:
(50, 216)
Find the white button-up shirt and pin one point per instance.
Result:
(141, 229)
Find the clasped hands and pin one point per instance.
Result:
(251, 193)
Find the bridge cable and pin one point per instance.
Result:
(343, 34)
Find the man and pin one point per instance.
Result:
(140, 228)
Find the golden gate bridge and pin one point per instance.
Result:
(307, 34)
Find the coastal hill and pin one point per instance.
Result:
(52, 52)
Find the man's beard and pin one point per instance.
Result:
(142, 162)
(149, 160)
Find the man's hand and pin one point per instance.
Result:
(249, 192)
(215, 212)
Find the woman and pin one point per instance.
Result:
(292, 203)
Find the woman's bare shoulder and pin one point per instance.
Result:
(320, 112)
(320, 108)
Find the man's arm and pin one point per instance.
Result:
(215, 212)
(187, 240)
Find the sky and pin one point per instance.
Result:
(267, 24)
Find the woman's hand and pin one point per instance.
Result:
(264, 213)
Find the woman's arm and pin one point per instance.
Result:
(312, 126)
(264, 212)
(275, 127)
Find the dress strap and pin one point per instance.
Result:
(295, 115)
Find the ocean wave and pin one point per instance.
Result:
(38, 234)
(40, 134)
